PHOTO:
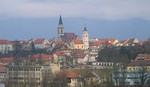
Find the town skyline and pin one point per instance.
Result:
(39, 19)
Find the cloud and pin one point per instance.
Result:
(101, 9)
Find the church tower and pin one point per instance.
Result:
(85, 38)
(60, 27)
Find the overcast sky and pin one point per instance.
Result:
(21, 19)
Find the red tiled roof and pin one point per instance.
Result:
(10, 59)
(72, 75)
(70, 35)
(77, 41)
(122, 41)
(146, 42)
(43, 56)
(143, 57)
(39, 41)
(59, 53)
(111, 40)
(97, 43)
(5, 42)
(139, 63)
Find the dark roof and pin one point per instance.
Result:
(60, 21)
(143, 57)
(85, 29)
(139, 63)
(68, 37)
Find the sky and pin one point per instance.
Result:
(121, 19)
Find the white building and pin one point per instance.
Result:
(27, 75)
(5, 46)
(85, 38)
(41, 43)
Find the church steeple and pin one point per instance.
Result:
(60, 27)
(60, 21)
(85, 38)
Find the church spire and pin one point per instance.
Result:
(60, 21)
(60, 27)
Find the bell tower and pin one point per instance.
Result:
(60, 27)
(85, 38)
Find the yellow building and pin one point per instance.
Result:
(77, 44)
(139, 64)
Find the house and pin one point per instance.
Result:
(43, 58)
(59, 58)
(128, 42)
(3, 74)
(58, 45)
(74, 79)
(138, 65)
(91, 78)
(131, 42)
(146, 42)
(121, 43)
(26, 44)
(136, 74)
(112, 41)
(6, 46)
(79, 56)
(126, 78)
(41, 43)
(95, 47)
(77, 44)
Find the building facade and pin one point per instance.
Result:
(85, 38)
(26, 76)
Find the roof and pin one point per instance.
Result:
(5, 42)
(39, 41)
(122, 41)
(77, 41)
(72, 75)
(97, 43)
(85, 29)
(143, 57)
(9, 59)
(111, 40)
(59, 53)
(139, 63)
(68, 37)
(60, 21)
(43, 56)
(59, 42)
(146, 42)
(131, 41)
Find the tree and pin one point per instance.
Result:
(143, 75)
